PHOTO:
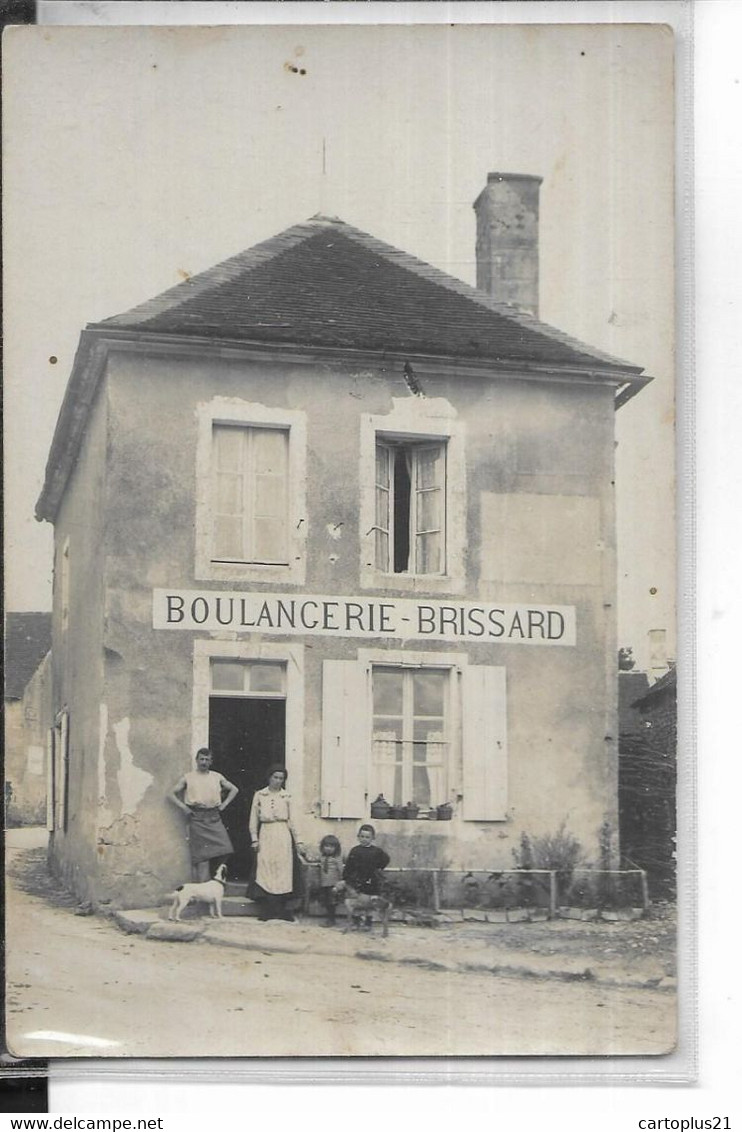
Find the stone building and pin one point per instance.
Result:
(647, 783)
(28, 716)
(326, 504)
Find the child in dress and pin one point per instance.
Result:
(330, 873)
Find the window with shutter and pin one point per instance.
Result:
(250, 468)
(410, 747)
(410, 507)
(484, 742)
(61, 747)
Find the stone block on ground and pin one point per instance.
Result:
(497, 916)
(171, 931)
(518, 915)
(475, 914)
(137, 921)
(589, 914)
(571, 913)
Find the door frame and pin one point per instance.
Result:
(292, 656)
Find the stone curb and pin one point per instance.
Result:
(149, 923)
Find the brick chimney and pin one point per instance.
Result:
(507, 238)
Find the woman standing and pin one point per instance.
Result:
(273, 842)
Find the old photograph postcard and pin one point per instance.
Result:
(340, 541)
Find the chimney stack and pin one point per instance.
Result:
(507, 239)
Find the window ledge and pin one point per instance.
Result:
(372, 579)
(251, 572)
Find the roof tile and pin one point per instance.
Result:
(325, 283)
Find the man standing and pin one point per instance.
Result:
(200, 794)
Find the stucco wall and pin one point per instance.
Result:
(539, 529)
(77, 650)
(27, 723)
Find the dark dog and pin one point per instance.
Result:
(361, 907)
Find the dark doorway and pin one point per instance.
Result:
(246, 736)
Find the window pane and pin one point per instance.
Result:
(382, 508)
(227, 676)
(428, 729)
(429, 554)
(270, 450)
(388, 742)
(429, 467)
(227, 537)
(428, 689)
(421, 786)
(228, 444)
(387, 692)
(270, 541)
(228, 494)
(382, 550)
(429, 510)
(382, 466)
(267, 678)
(270, 496)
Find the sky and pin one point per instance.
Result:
(136, 155)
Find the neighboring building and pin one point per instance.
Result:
(647, 782)
(324, 503)
(631, 685)
(27, 716)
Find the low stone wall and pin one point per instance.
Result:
(512, 895)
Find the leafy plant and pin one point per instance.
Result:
(411, 890)
(560, 852)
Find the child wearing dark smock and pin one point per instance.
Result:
(364, 864)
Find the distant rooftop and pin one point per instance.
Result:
(28, 638)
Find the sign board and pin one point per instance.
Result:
(243, 611)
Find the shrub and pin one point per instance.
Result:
(409, 890)
(560, 852)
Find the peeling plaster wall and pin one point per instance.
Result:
(77, 650)
(536, 454)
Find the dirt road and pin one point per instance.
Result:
(78, 987)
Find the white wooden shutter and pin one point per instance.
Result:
(50, 780)
(345, 739)
(61, 761)
(484, 732)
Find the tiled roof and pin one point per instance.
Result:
(28, 638)
(324, 283)
(666, 684)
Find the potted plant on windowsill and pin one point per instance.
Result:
(411, 810)
(380, 808)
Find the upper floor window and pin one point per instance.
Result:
(250, 494)
(413, 506)
(410, 507)
(251, 483)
